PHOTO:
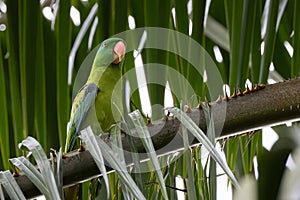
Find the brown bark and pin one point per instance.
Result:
(263, 106)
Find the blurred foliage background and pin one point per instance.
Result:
(41, 41)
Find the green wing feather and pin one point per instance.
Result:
(82, 103)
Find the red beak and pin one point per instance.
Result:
(119, 51)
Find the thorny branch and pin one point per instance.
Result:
(242, 112)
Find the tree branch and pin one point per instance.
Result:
(262, 106)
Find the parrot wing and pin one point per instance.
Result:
(82, 103)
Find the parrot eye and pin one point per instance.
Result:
(104, 44)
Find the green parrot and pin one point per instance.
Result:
(92, 104)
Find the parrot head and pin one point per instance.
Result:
(110, 51)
